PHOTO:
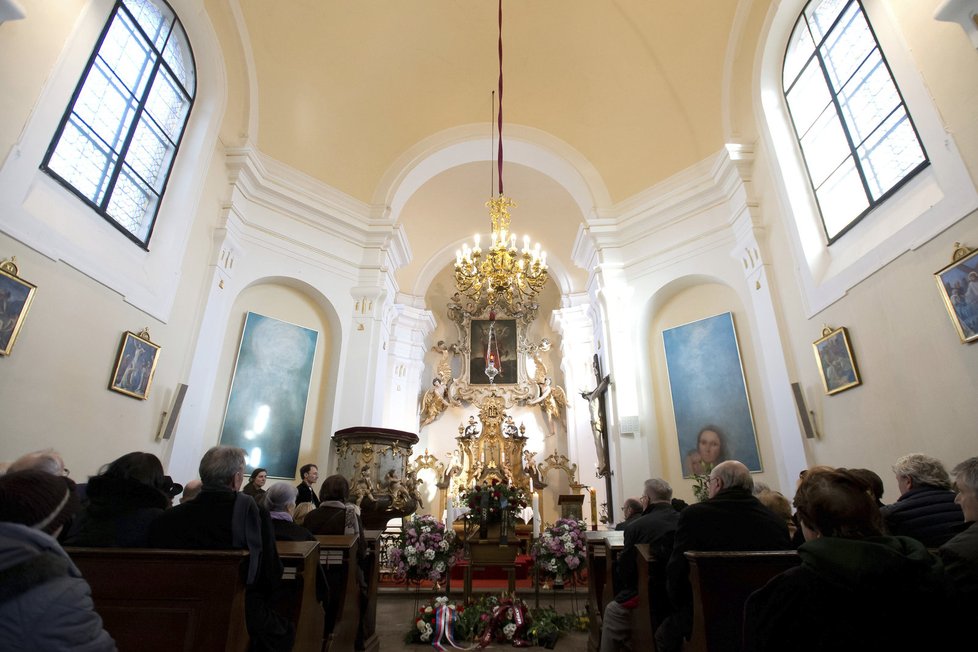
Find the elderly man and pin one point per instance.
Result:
(655, 526)
(926, 509)
(221, 518)
(732, 518)
(632, 509)
(960, 554)
(47, 460)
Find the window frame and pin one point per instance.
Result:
(833, 92)
(115, 170)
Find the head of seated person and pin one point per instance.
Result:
(47, 460)
(38, 499)
(837, 504)
(222, 468)
(336, 488)
(280, 498)
(730, 476)
(135, 472)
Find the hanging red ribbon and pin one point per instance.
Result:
(500, 118)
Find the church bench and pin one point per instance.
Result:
(168, 600)
(338, 557)
(603, 548)
(297, 598)
(653, 602)
(721, 583)
(371, 571)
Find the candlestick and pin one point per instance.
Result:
(535, 503)
(594, 509)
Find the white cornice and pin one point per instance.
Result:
(294, 195)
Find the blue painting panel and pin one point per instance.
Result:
(709, 395)
(267, 403)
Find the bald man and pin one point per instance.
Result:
(731, 519)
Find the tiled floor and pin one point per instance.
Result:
(395, 613)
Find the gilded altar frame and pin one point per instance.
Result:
(471, 322)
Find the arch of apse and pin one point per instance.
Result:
(465, 144)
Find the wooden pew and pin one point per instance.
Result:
(721, 583)
(168, 600)
(298, 600)
(338, 557)
(372, 575)
(653, 602)
(603, 548)
(596, 577)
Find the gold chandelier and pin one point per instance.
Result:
(503, 276)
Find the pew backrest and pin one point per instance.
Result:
(721, 583)
(297, 596)
(168, 600)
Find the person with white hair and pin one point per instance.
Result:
(47, 460)
(280, 503)
(926, 509)
(960, 554)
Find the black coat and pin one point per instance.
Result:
(733, 520)
(117, 513)
(306, 495)
(656, 527)
(926, 513)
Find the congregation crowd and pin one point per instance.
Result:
(872, 575)
(130, 503)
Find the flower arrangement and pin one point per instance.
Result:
(496, 498)
(561, 549)
(424, 550)
(701, 483)
(503, 619)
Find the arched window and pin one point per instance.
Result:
(117, 141)
(857, 138)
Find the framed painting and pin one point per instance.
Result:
(836, 362)
(713, 414)
(493, 345)
(958, 284)
(135, 365)
(16, 295)
(266, 406)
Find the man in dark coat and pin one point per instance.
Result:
(960, 554)
(310, 476)
(632, 509)
(221, 518)
(731, 519)
(925, 509)
(656, 526)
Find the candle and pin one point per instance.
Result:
(594, 509)
(535, 503)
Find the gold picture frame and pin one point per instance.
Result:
(135, 365)
(16, 296)
(958, 285)
(836, 361)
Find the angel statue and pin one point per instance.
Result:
(444, 369)
(552, 400)
(434, 402)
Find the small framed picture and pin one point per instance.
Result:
(16, 295)
(135, 365)
(958, 283)
(836, 363)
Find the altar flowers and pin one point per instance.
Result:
(494, 499)
(561, 549)
(424, 550)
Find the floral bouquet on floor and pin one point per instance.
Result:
(561, 549)
(424, 550)
(440, 620)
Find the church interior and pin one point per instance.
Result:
(336, 156)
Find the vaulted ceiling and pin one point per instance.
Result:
(346, 90)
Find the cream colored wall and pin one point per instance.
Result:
(918, 379)
(290, 305)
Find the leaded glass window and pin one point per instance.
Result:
(116, 144)
(856, 135)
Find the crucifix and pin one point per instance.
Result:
(596, 406)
